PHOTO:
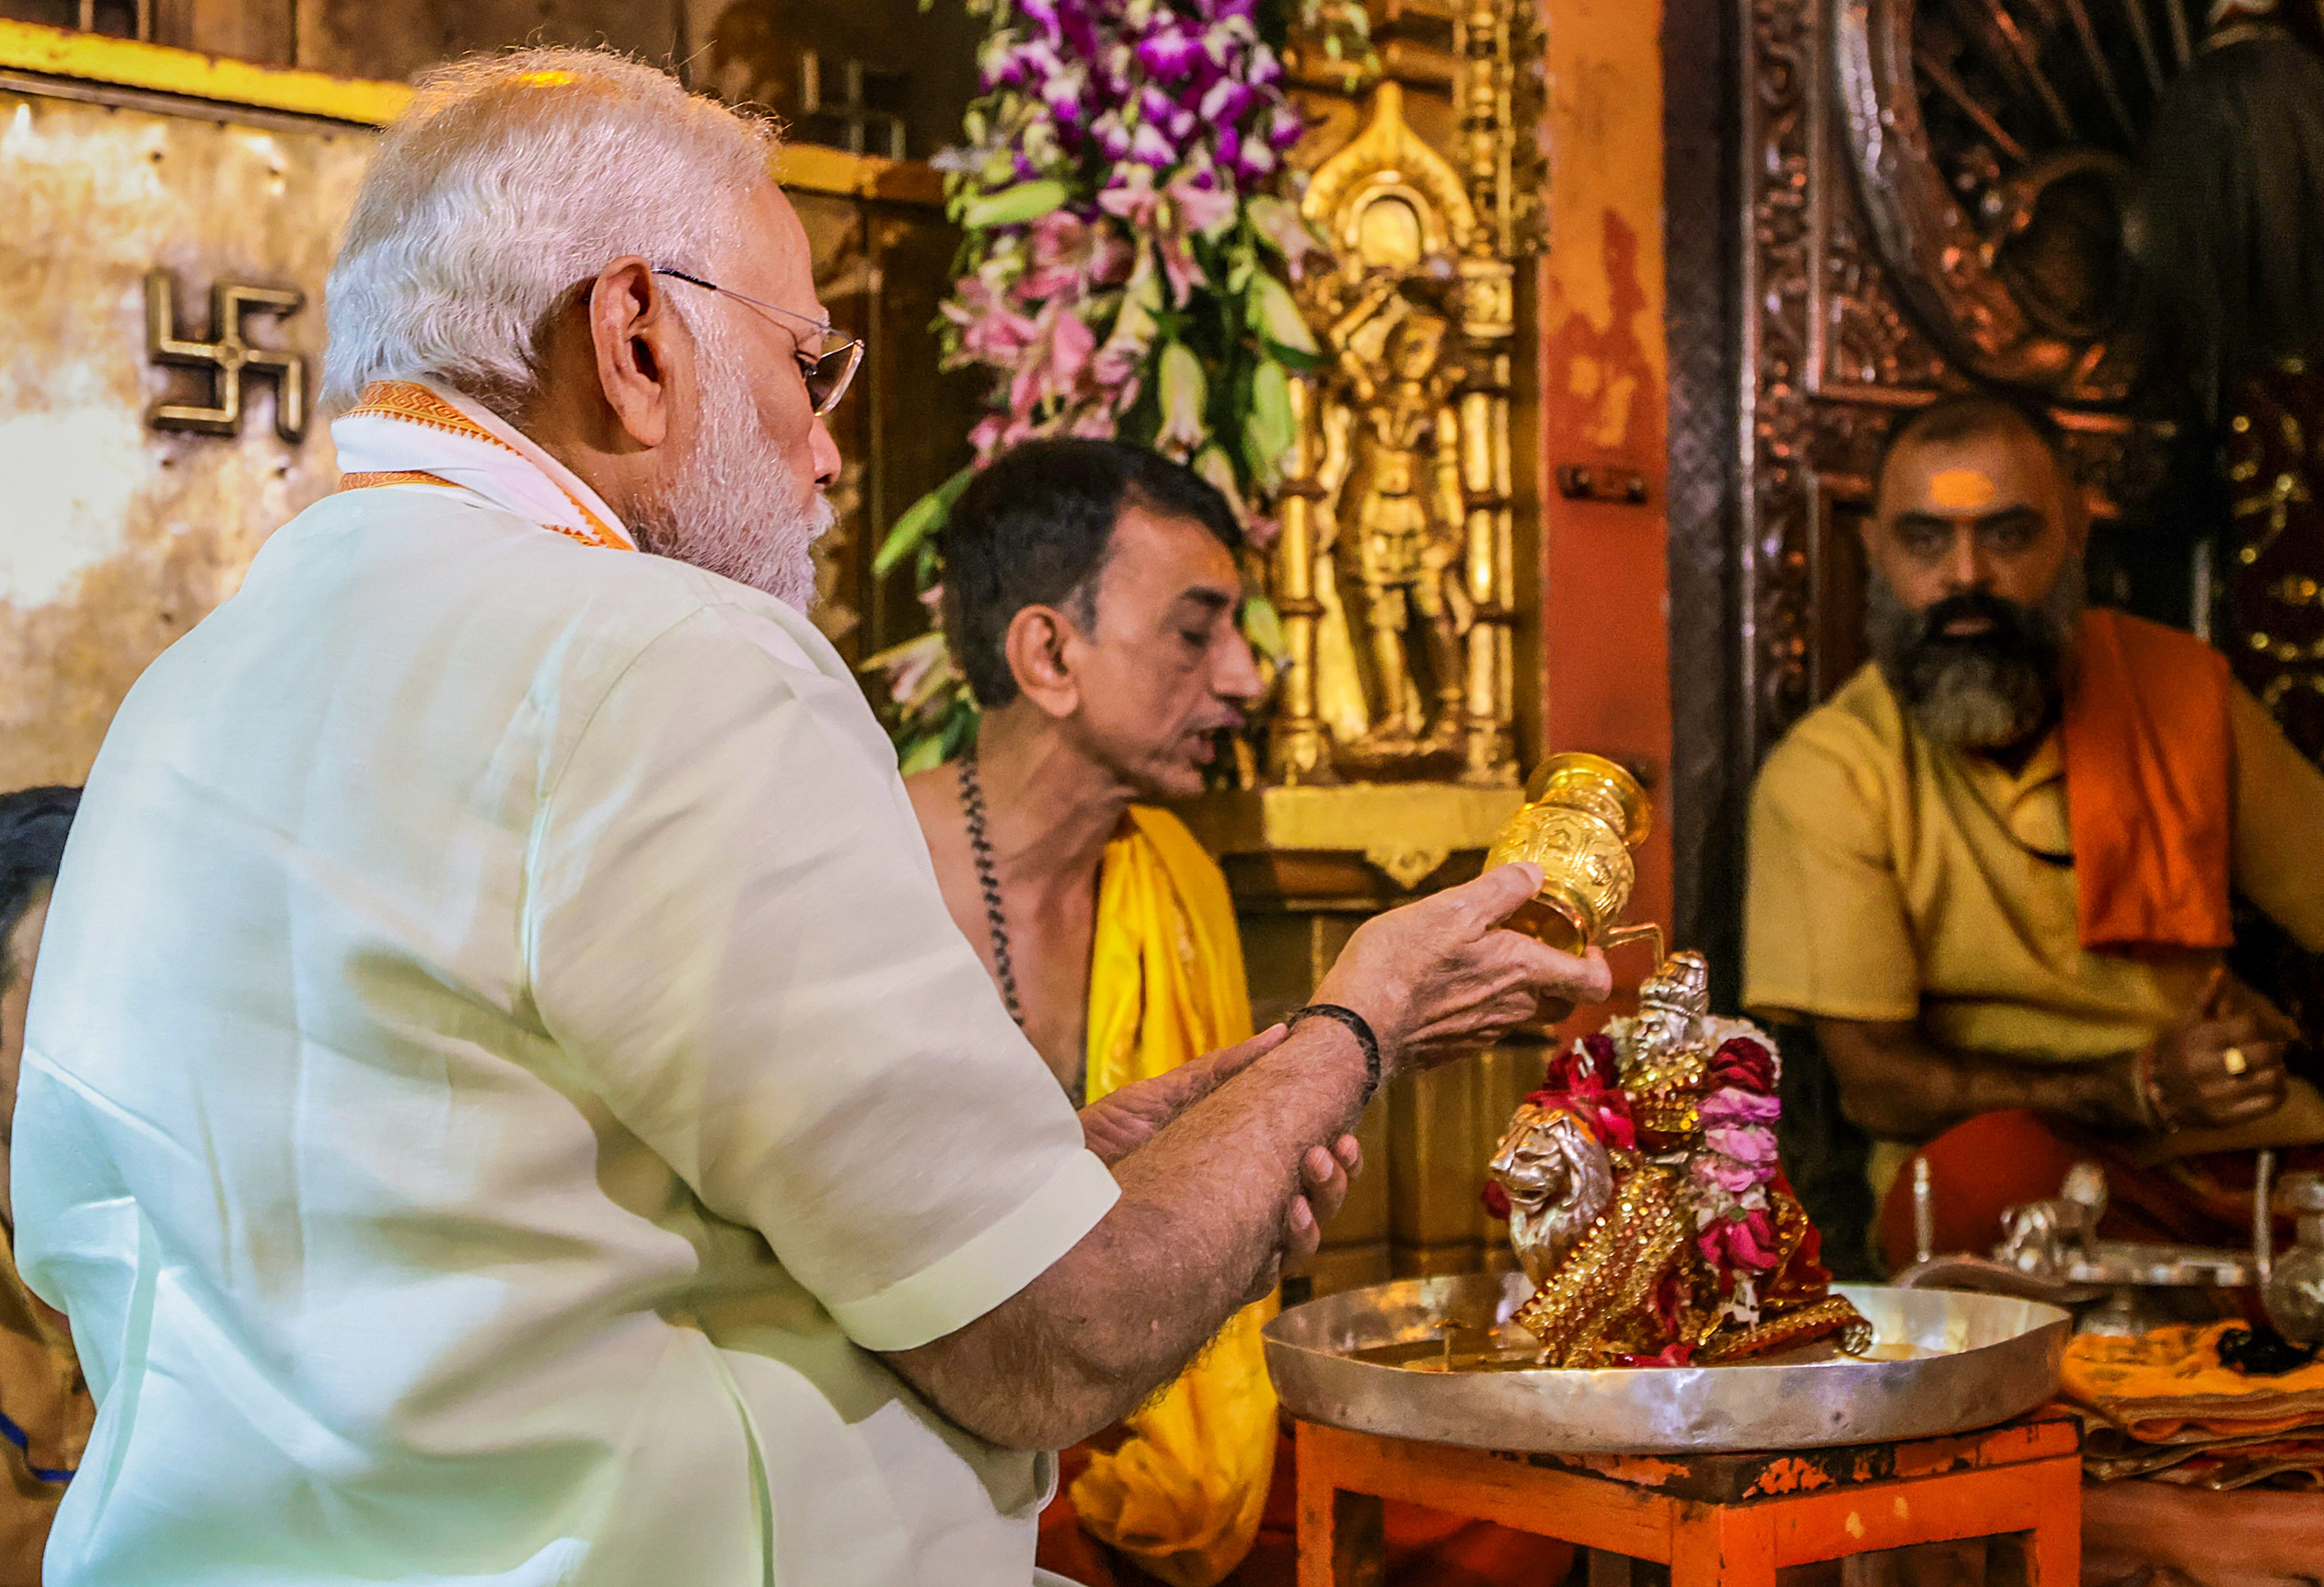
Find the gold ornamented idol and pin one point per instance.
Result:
(1646, 1200)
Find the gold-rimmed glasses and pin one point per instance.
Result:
(828, 367)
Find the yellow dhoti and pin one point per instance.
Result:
(1182, 1493)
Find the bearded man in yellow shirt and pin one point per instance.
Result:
(1090, 597)
(1993, 871)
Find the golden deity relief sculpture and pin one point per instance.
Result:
(1390, 538)
(1394, 570)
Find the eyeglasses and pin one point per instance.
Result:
(827, 369)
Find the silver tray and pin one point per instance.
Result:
(1988, 1358)
(2160, 1266)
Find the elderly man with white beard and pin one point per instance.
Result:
(503, 1101)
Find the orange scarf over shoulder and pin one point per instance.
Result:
(2149, 769)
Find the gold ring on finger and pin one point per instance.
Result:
(2233, 1060)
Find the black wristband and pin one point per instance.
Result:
(1358, 1027)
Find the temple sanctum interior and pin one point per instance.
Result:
(1627, 696)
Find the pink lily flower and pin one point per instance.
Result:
(984, 435)
(1058, 357)
(1279, 222)
(1203, 207)
(990, 331)
(1166, 216)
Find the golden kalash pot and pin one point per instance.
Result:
(1583, 816)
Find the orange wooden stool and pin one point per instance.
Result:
(1716, 1520)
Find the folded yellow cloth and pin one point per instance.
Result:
(2162, 1407)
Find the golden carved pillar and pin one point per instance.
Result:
(1296, 751)
(1401, 574)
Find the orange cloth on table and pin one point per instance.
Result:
(2149, 765)
(2166, 1409)
(2168, 1385)
(2174, 1374)
(2179, 1446)
(1182, 1493)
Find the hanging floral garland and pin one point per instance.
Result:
(1130, 234)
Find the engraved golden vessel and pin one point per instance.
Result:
(1583, 816)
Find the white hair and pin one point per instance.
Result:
(511, 179)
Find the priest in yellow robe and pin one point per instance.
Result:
(1090, 597)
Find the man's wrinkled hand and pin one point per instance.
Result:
(1323, 1180)
(1439, 977)
(1121, 1121)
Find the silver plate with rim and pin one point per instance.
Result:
(1969, 1360)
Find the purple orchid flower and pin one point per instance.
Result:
(1225, 102)
(1169, 52)
(1111, 134)
(1149, 147)
(1066, 96)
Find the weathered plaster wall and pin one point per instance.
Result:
(1603, 391)
(115, 538)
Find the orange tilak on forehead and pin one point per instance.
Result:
(1962, 490)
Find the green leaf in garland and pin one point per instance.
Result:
(1135, 325)
(1270, 307)
(920, 520)
(1291, 358)
(926, 755)
(1182, 390)
(1262, 625)
(1215, 466)
(1024, 201)
(1270, 428)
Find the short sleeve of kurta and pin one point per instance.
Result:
(2278, 823)
(736, 941)
(1826, 932)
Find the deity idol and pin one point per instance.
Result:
(1646, 1202)
(1404, 516)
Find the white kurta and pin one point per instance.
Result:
(499, 1066)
